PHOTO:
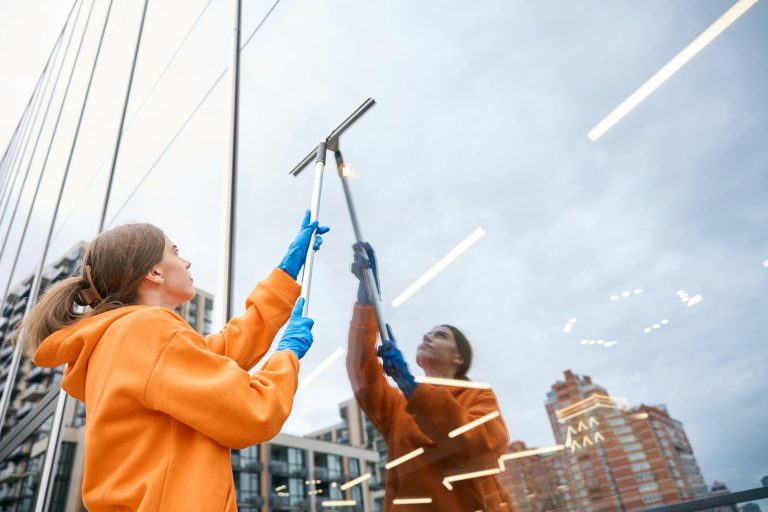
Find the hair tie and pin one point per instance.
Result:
(89, 295)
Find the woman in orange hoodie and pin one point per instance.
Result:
(163, 404)
(448, 471)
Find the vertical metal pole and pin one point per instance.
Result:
(230, 181)
(11, 378)
(16, 158)
(119, 137)
(52, 451)
(317, 189)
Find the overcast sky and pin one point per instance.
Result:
(482, 116)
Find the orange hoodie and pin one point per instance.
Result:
(425, 421)
(165, 405)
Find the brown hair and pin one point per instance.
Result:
(465, 352)
(119, 259)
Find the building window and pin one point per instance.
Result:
(651, 486)
(645, 475)
(651, 498)
(627, 439)
(640, 466)
(615, 422)
(622, 430)
(354, 467)
(633, 447)
(636, 456)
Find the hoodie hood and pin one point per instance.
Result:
(74, 345)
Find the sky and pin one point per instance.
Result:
(481, 121)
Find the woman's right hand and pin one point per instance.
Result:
(365, 258)
(298, 333)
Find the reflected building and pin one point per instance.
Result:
(616, 457)
(355, 429)
(535, 483)
(720, 489)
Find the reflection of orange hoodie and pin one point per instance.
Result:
(425, 421)
(164, 405)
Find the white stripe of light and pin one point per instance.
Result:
(321, 368)
(529, 453)
(356, 481)
(438, 267)
(473, 424)
(412, 501)
(671, 67)
(437, 381)
(404, 458)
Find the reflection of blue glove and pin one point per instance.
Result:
(297, 252)
(395, 366)
(365, 257)
(298, 334)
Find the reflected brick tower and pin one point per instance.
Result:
(616, 457)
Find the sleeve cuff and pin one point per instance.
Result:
(421, 399)
(282, 283)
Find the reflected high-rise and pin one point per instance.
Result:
(617, 457)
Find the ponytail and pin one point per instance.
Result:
(55, 310)
(114, 265)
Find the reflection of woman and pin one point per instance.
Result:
(163, 404)
(423, 416)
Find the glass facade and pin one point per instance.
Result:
(566, 204)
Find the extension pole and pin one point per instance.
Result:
(230, 176)
(317, 189)
(331, 142)
(368, 278)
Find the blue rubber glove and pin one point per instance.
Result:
(298, 333)
(297, 252)
(365, 257)
(394, 364)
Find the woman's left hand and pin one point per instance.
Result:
(395, 366)
(297, 252)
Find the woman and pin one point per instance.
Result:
(163, 404)
(424, 416)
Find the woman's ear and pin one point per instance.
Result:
(155, 276)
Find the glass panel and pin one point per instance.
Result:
(595, 299)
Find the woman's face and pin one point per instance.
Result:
(177, 282)
(438, 350)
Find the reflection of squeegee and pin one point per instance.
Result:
(318, 154)
(368, 277)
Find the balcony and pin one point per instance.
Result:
(278, 467)
(34, 392)
(37, 374)
(6, 351)
(277, 502)
(24, 410)
(253, 466)
(250, 501)
(21, 452)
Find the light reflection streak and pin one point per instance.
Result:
(467, 476)
(671, 67)
(535, 451)
(436, 381)
(592, 402)
(473, 424)
(411, 501)
(438, 267)
(320, 368)
(356, 481)
(339, 503)
(408, 456)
